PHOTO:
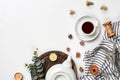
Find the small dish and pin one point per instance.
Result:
(81, 34)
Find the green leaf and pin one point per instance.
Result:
(35, 53)
(26, 65)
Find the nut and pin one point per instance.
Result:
(53, 57)
(104, 8)
(89, 3)
(72, 12)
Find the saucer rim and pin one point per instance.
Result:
(90, 37)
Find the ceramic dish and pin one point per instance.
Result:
(79, 24)
(61, 58)
(60, 72)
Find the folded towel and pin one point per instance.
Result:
(106, 57)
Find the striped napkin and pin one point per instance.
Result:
(104, 57)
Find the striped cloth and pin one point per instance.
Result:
(104, 57)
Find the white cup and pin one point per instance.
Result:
(88, 28)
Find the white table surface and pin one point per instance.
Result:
(44, 24)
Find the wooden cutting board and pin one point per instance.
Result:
(61, 58)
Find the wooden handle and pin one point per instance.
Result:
(109, 29)
(18, 76)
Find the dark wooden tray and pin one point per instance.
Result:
(61, 58)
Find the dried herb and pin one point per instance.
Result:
(36, 68)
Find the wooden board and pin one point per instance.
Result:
(61, 58)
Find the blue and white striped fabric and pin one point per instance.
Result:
(104, 57)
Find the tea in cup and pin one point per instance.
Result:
(88, 28)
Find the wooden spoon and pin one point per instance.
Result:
(18, 76)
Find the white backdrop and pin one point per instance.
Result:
(44, 24)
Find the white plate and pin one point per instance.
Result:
(79, 24)
(59, 72)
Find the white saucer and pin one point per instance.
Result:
(79, 24)
(59, 72)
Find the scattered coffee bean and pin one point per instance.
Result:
(104, 8)
(82, 43)
(72, 12)
(70, 36)
(89, 3)
(81, 69)
(68, 49)
(77, 54)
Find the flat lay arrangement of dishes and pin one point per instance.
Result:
(100, 63)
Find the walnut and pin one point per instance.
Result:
(89, 3)
(104, 7)
(72, 12)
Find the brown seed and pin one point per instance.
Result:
(89, 3)
(82, 43)
(104, 8)
(72, 12)
(81, 69)
(77, 55)
(70, 36)
(68, 49)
